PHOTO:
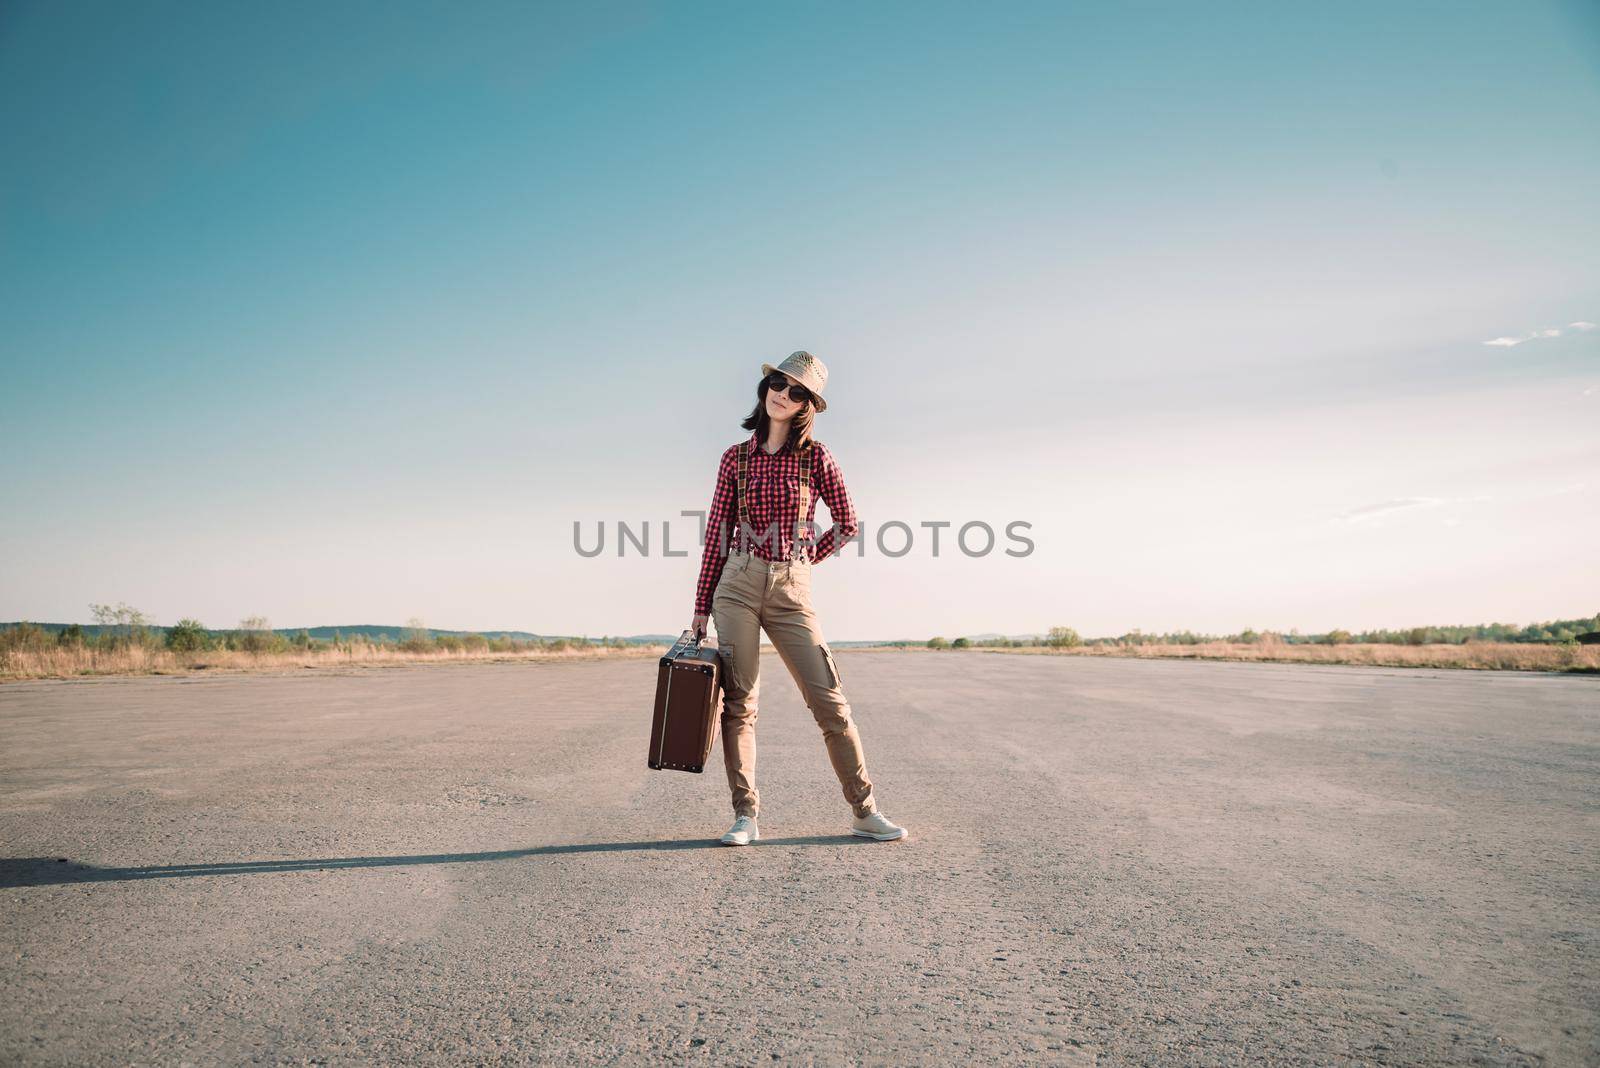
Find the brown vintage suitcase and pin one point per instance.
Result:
(688, 703)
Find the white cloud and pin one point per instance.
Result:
(1394, 504)
(1535, 335)
(1582, 324)
(1398, 504)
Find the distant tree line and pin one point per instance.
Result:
(121, 626)
(1564, 631)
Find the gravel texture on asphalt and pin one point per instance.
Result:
(1131, 862)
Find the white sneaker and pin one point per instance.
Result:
(743, 832)
(876, 825)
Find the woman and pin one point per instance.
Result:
(765, 583)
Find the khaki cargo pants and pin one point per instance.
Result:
(753, 594)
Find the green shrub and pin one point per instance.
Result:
(416, 638)
(1062, 638)
(255, 635)
(938, 643)
(188, 636)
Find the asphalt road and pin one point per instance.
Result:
(1124, 861)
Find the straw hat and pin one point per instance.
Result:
(812, 373)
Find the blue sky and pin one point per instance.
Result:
(344, 313)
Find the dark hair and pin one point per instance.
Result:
(799, 426)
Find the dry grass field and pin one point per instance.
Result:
(62, 662)
(71, 661)
(1481, 656)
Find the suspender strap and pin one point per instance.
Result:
(744, 511)
(805, 502)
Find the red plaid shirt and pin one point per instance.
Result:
(772, 497)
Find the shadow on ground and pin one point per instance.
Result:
(53, 871)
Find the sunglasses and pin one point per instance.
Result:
(777, 383)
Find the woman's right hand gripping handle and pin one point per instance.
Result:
(698, 626)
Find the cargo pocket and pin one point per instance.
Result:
(727, 678)
(833, 668)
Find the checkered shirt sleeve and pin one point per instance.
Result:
(829, 482)
(720, 520)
